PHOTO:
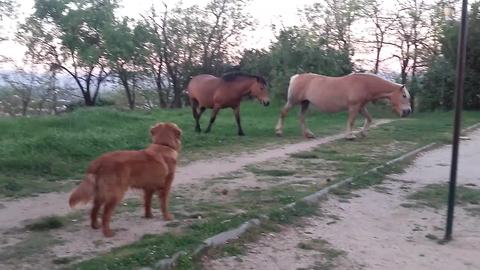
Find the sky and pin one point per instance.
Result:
(265, 12)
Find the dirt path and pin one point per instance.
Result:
(375, 230)
(15, 213)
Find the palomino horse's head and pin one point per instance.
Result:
(260, 90)
(400, 100)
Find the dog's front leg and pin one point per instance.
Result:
(163, 195)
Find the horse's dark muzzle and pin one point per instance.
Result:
(406, 112)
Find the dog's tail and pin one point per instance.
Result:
(84, 192)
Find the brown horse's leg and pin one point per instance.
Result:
(237, 118)
(352, 114)
(281, 119)
(306, 132)
(196, 116)
(212, 118)
(368, 121)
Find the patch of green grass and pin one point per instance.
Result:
(473, 211)
(272, 172)
(436, 195)
(64, 260)
(292, 214)
(152, 248)
(305, 155)
(329, 254)
(46, 223)
(35, 244)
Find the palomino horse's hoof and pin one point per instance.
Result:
(350, 137)
(279, 133)
(363, 134)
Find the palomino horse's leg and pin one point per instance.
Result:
(237, 118)
(352, 114)
(281, 119)
(212, 118)
(306, 132)
(368, 121)
(196, 115)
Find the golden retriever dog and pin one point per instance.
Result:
(152, 169)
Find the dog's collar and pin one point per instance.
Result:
(166, 145)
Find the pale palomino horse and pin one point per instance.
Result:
(334, 94)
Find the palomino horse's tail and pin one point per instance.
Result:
(290, 89)
(288, 105)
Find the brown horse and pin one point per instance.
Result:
(207, 91)
(333, 94)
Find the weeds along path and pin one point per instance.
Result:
(15, 213)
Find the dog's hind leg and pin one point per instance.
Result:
(107, 215)
(148, 194)
(94, 213)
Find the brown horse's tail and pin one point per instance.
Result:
(84, 192)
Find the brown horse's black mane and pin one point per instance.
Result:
(232, 76)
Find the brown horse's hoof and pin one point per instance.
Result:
(108, 233)
(149, 215)
(241, 134)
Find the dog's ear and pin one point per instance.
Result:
(176, 130)
(154, 128)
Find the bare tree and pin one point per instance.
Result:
(383, 22)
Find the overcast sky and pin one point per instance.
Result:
(265, 12)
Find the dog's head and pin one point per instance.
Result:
(168, 134)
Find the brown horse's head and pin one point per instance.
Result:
(400, 99)
(259, 90)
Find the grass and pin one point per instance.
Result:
(436, 195)
(37, 152)
(272, 172)
(329, 254)
(46, 223)
(34, 245)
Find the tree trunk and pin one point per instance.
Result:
(129, 92)
(161, 98)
